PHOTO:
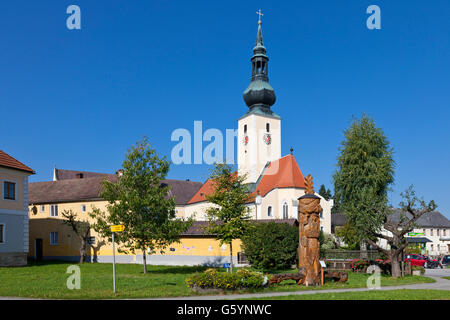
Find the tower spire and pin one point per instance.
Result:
(259, 94)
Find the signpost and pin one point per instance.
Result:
(114, 229)
(323, 265)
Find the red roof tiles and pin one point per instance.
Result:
(281, 173)
(7, 161)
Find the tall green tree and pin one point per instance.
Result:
(324, 192)
(229, 216)
(365, 171)
(141, 202)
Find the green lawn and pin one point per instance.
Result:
(448, 278)
(370, 295)
(48, 280)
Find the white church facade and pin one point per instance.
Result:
(276, 181)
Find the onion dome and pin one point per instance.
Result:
(259, 93)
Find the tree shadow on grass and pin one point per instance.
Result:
(33, 262)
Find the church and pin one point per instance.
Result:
(275, 181)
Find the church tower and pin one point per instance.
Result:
(259, 130)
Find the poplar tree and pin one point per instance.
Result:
(365, 171)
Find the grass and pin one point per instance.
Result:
(448, 278)
(48, 280)
(403, 294)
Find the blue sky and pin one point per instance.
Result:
(80, 98)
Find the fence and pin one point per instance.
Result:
(350, 254)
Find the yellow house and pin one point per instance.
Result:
(13, 211)
(79, 191)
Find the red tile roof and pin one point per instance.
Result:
(281, 173)
(7, 161)
(206, 189)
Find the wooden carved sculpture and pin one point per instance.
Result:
(309, 230)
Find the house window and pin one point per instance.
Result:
(83, 208)
(444, 232)
(268, 127)
(42, 208)
(2, 233)
(321, 214)
(431, 233)
(9, 190)
(438, 232)
(242, 259)
(269, 211)
(285, 211)
(54, 210)
(53, 238)
(321, 229)
(91, 240)
(245, 128)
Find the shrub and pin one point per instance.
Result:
(421, 269)
(271, 246)
(211, 278)
(359, 264)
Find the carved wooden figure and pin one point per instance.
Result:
(309, 231)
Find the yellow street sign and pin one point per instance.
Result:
(117, 228)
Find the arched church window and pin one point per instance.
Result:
(245, 128)
(269, 211)
(268, 127)
(285, 211)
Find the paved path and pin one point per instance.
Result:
(436, 274)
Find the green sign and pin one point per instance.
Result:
(415, 234)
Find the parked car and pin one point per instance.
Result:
(431, 263)
(446, 260)
(415, 260)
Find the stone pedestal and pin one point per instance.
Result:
(309, 231)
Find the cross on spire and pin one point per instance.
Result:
(259, 14)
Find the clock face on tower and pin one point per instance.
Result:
(267, 138)
(245, 140)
